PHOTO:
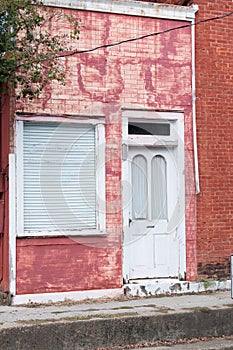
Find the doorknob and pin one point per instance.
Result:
(130, 220)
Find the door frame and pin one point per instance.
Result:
(176, 139)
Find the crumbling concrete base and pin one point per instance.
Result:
(106, 333)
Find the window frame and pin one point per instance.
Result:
(153, 140)
(164, 208)
(143, 215)
(100, 177)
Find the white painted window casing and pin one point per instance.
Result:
(168, 140)
(60, 179)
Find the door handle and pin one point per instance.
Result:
(130, 221)
(150, 226)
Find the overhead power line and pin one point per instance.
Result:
(76, 52)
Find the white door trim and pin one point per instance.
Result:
(178, 119)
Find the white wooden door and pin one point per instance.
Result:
(151, 241)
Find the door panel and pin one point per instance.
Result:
(152, 244)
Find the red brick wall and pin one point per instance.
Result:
(214, 76)
(154, 73)
(63, 264)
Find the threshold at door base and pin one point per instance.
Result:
(153, 287)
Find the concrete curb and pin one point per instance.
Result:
(121, 331)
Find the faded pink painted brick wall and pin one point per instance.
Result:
(155, 74)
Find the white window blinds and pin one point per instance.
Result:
(59, 176)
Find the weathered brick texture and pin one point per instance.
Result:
(214, 77)
(154, 73)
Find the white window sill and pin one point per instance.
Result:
(73, 233)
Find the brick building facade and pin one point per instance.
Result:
(112, 97)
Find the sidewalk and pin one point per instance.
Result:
(109, 323)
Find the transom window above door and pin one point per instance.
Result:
(141, 128)
(152, 133)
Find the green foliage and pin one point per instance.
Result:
(29, 53)
(207, 283)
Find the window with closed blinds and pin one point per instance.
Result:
(59, 176)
